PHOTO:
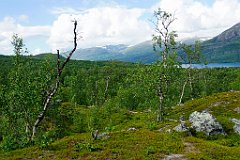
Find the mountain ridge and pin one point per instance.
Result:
(222, 48)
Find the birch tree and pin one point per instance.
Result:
(165, 45)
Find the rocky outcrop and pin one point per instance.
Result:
(205, 122)
(236, 127)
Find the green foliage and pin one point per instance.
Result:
(87, 147)
(17, 43)
(45, 140)
(83, 104)
(146, 142)
(152, 126)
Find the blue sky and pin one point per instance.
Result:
(45, 25)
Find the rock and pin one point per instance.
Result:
(165, 129)
(204, 121)
(181, 128)
(236, 127)
(174, 157)
(182, 118)
(237, 109)
(168, 131)
(132, 112)
(132, 129)
(96, 135)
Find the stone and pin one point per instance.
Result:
(237, 109)
(165, 129)
(236, 127)
(205, 122)
(181, 128)
(168, 131)
(132, 129)
(175, 157)
(96, 135)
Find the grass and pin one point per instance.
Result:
(147, 142)
(140, 144)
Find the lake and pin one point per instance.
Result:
(213, 65)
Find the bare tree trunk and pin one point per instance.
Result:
(106, 88)
(56, 86)
(160, 108)
(183, 91)
(190, 79)
(43, 113)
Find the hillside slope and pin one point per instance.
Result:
(146, 141)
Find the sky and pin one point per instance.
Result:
(46, 25)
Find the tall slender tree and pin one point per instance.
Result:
(164, 44)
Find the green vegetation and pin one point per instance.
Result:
(108, 110)
(147, 142)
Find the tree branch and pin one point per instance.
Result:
(57, 83)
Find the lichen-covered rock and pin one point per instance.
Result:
(206, 122)
(236, 127)
(181, 127)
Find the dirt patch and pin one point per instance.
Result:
(175, 157)
(190, 148)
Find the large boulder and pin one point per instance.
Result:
(236, 127)
(205, 122)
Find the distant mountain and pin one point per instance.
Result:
(108, 52)
(142, 52)
(222, 48)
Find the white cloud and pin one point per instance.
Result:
(9, 26)
(195, 19)
(37, 51)
(101, 26)
(29, 31)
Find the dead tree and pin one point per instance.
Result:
(53, 91)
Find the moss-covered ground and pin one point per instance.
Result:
(147, 142)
